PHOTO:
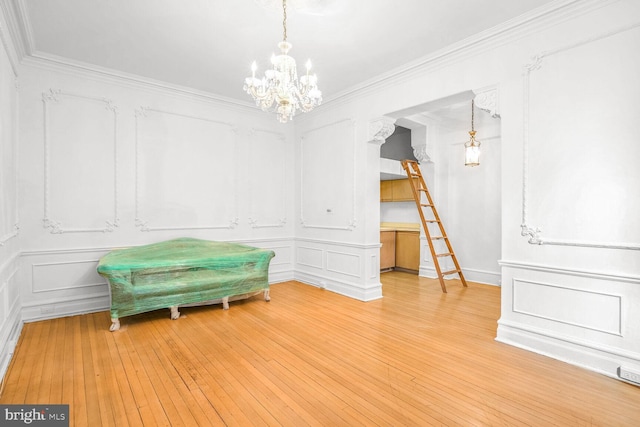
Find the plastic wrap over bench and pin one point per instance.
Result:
(182, 272)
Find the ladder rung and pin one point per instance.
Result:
(438, 238)
(425, 205)
(446, 273)
(431, 220)
(447, 254)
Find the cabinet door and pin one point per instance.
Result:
(408, 250)
(386, 191)
(402, 191)
(388, 250)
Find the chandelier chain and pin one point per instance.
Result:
(472, 114)
(284, 20)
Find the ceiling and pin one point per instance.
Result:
(208, 45)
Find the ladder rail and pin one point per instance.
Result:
(412, 169)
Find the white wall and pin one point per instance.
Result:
(10, 319)
(468, 200)
(575, 303)
(107, 164)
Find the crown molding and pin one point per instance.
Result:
(524, 25)
(56, 63)
(11, 35)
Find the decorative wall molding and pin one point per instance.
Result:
(352, 222)
(380, 129)
(144, 224)
(487, 100)
(571, 272)
(56, 96)
(534, 232)
(9, 236)
(421, 153)
(254, 220)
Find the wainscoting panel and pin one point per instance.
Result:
(586, 318)
(310, 257)
(343, 263)
(57, 276)
(175, 154)
(345, 268)
(65, 282)
(10, 320)
(571, 306)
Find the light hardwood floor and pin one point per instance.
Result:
(417, 357)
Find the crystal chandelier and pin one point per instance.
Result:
(472, 147)
(280, 90)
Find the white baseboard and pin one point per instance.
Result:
(10, 334)
(470, 274)
(351, 290)
(482, 276)
(71, 306)
(592, 356)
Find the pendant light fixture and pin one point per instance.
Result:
(280, 89)
(472, 147)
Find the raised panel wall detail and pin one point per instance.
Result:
(591, 146)
(80, 161)
(570, 306)
(56, 276)
(185, 172)
(267, 170)
(309, 256)
(328, 200)
(343, 263)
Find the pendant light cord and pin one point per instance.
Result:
(472, 115)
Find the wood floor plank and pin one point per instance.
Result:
(312, 357)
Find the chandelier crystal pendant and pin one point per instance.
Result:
(280, 90)
(472, 147)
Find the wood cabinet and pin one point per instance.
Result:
(408, 250)
(396, 190)
(400, 250)
(386, 191)
(387, 250)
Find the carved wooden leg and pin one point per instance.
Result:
(225, 303)
(266, 295)
(174, 312)
(115, 324)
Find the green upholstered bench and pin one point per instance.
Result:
(182, 272)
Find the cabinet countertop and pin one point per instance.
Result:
(399, 226)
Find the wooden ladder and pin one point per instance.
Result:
(418, 186)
